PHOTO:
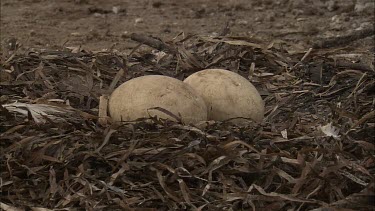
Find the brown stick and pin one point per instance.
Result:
(350, 65)
(342, 40)
(152, 42)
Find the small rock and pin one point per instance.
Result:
(115, 10)
(125, 34)
(76, 34)
(138, 20)
(242, 22)
(99, 15)
(214, 34)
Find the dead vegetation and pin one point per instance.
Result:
(314, 149)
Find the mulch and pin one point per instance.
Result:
(313, 151)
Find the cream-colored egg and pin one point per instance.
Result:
(137, 97)
(227, 95)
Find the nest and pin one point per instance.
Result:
(314, 149)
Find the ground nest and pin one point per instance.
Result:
(313, 151)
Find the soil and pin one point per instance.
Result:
(107, 24)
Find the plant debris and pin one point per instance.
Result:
(314, 149)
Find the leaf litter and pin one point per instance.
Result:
(313, 151)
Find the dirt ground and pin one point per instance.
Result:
(105, 24)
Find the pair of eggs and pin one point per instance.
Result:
(211, 94)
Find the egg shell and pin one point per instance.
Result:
(135, 99)
(227, 95)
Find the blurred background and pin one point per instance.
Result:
(104, 24)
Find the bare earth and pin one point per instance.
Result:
(104, 24)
